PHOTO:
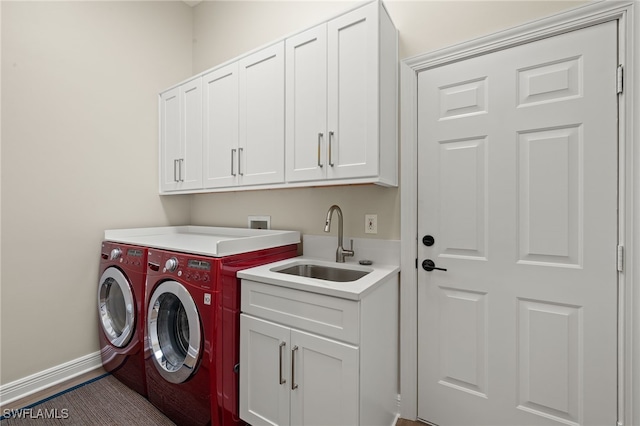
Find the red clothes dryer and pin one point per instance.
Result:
(121, 312)
(193, 314)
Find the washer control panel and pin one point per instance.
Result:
(194, 270)
(131, 257)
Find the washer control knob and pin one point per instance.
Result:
(115, 254)
(171, 264)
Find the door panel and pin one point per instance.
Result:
(220, 167)
(261, 155)
(306, 106)
(549, 208)
(170, 145)
(325, 376)
(190, 166)
(517, 178)
(264, 372)
(353, 94)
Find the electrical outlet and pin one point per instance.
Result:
(371, 224)
(259, 222)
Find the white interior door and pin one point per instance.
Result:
(518, 188)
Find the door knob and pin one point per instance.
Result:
(428, 240)
(428, 265)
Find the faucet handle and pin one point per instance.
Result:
(350, 252)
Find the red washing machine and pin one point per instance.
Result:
(193, 314)
(121, 312)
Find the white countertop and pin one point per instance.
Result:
(204, 240)
(354, 290)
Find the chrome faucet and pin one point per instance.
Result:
(341, 253)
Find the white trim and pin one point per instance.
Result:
(629, 43)
(408, 244)
(50, 377)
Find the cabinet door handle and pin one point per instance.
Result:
(180, 163)
(233, 154)
(282, 379)
(294, 385)
(240, 161)
(330, 143)
(320, 135)
(175, 174)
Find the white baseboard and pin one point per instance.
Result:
(50, 377)
(395, 419)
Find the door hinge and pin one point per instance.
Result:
(620, 78)
(416, 263)
(620, 258)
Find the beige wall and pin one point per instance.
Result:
(79, 142)
(79, 155)
(223, 30)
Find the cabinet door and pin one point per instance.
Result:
(170, 149)
(261, 151)
(353, 94)
(264, 372)
(306, 105)
(220, 154)
(190, 163)
(325, 380)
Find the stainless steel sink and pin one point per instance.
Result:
(326, 273)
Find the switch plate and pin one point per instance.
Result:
(371, 224)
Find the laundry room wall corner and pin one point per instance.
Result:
(79, 155)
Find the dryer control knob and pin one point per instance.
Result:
(115, 254)
(171, 264)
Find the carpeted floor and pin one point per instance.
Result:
(102, 401)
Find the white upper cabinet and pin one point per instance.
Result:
(244, 121)
(261, 105)
(220, 154)
(306, 106)
(341, 100)
(181, 137)
(353, 94)
(226, 130)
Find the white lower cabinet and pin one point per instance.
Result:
(313, 359)
(315, 380)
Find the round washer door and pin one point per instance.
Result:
(173, 324)
(116, 307)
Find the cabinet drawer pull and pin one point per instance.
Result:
(320, 135)
(240, 161)
(330, 143)
(233, 154)
(294, 385)
(282, 379)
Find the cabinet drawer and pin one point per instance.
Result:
(325, 315)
